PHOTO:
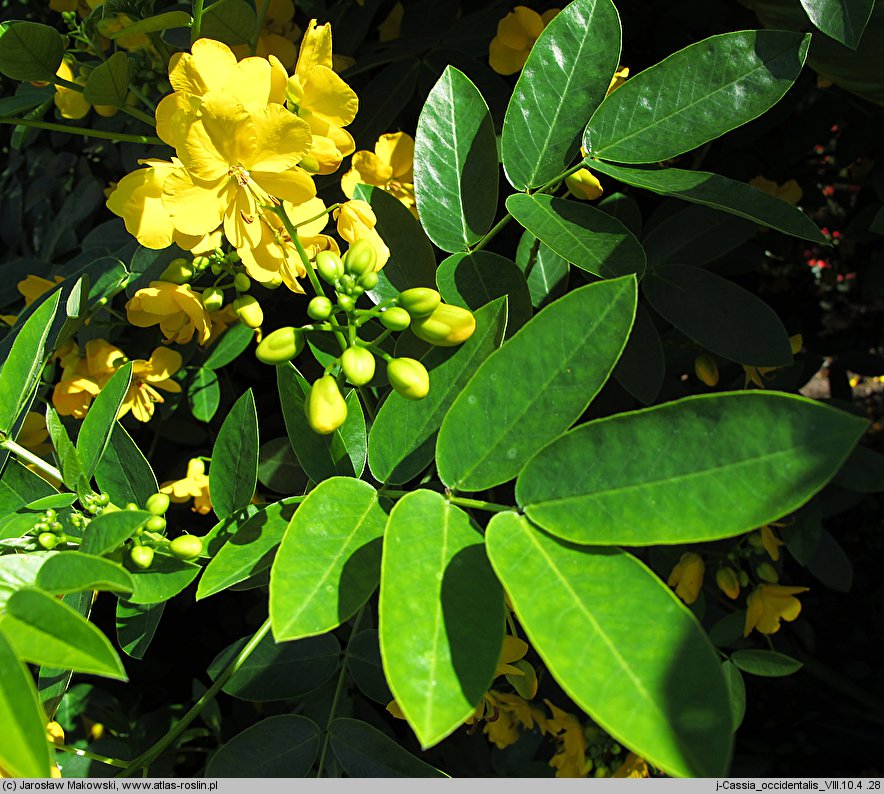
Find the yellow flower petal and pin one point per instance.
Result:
(281, 140)
(397, 149)
(205, 68)
(327, 95)
(505, 60)
(316, 47)
(196, 208)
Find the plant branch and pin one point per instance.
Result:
(84, 131)
(25, 454)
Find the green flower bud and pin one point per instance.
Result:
(346, 303)
(216, 268)
(446, 326)
(360, 258)
(310, 164)
(319, 308)
(706, 369)
(132, 506)
(186, 547)
(329, 266)
(201, 263)
(232, 257)
(242, 282)
(419, 301)
(248, 310)
(157, 503)
(282, 345)
(274, 282)
(743, 577)
(358, 365)
(368, 280)
(212, 298)
(47, 540)
(141, 556)
(326, 408)
(728, 582)
(347, 283)
(155, 524)
(408, 377)
(178, 271)
(396, 319)
(767, 572)
(525, 685)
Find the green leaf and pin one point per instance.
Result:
(366, 667)
(24, 751)
(721, 193)
(229, 347)
(22, 367)
(412, 262)
(154, 24)
(95, 432)
(278, 468)
(295, 743)
(578, 232)
(69, 463)
(107, 531)
(545, 271)
(642, 367)
(863, 471)
(563, 81)
(696, 95)
(55, 501)
(229, 21)
(19, 486)
(625, 209)
(472, 280)
(765, 663)
(108, 83)
(519, 401)
(339, 453)
(403, 436)
(455, 163)
(830, 564)
(250, 550)
(166, 577)
(699, 469)
(204, 394)
(136, 625)
(74, 572)
(843, 20)
(440, 614)
(123, 472)
(363, 751)
(719, 315)
(45, 631)
(664, 695)
(279, 671)
(233, 474)
(20, 570)
(329, 561)
(736, 690)
(30, 51)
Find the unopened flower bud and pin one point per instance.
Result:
(47, 540)
(178, 271)
(329, 266)
(186, 547)
(360, 258)
(408, 377)
(310, 164)
(767, 572)
(346, 302)
(446, 326)
(419, 301)
(212, 298)
(395, 319)
(526, 684)
(358, 365)
(584, 185)
(248, 310)
(706, 369)
(326, 408)
(283, 344)
(728, 582)
(157, 503)
(687, 577)
(242, 282)
(368, 280)
(155, 524)
(141, 556)
(319, 308)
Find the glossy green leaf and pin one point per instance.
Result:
(19, 486)
(278, 468)
(108, 530)
(136, 626)
(625, 209)
(363, 751)
(519, 401)
(20, 570)
(55, 501)
(123, 472)
(279, 671)
(232, 483)
(721, 193)
(642, 367)
(695, 95)
(563, 81)
(830, 564)
(473, 280)
(95, 432)
(545, 271)
(366, 667)
(295, 740)
(699, 469)
(341, 453)
(204, 394)
(230, 21)
(153, 24)
(403, 436)
(225, 529)
(329, 561)
(229, 347)
(719, 315)
(664, 695)
(765, 663)
(863, 471)
(24, 751)
(440, 614)
(412, 262)
(585, 236)
(45, 631)
(843, 20)
(22, 367)
(736, 690)
(30, 51)
(69, 463)
(166, 577)
(74, 572)
(108, 83)
(455, 164)
(250, 550)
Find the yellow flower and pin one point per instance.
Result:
(633, 766)
(768, 604)
(71, 103)
(789, 191)
(148, 376)
(31, 288)
(194, 485)
(55, 736)
(391, 28)
(728, 582)
(513, 650)
(176, 308)
(356, 221)
(756, 374)
(618, 79)
(319, 96)
(221, 320)
(509, 714)
(584, 185)
(687, 577)
(34, 435)
(771, 542)
(277, 36)
(390, 166)
(84, 377)
(570, 757)
(706, 369)
(516, 34)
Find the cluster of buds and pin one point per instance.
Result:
(419, 308)
(49, 530)
(150, 536)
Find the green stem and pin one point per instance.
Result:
(552, 182)
(479, 504)
(197, 20)
(259, 23)
(327, 211)
(145, 759)
(141, 97)
(25, 454)
(492, 233)
(84, 131)
(135, 113)
(104, 759)
(338, 691)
